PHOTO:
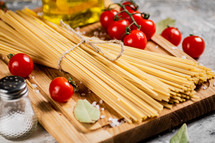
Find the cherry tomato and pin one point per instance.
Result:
(3, 6)
(107, 17)
(136, 39)
(129, 6)
(147, 26)
(173, 35)
(61, 90)
(117, 29)
(21, 65)
(193, 46)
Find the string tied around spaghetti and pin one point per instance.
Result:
(91, 43)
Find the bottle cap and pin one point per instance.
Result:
(12, 87)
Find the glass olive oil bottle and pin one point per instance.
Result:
(74, 12)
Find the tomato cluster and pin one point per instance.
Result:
(135, 29)
(129, 25)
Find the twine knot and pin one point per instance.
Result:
(90, 42)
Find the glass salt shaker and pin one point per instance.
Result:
(17, 118)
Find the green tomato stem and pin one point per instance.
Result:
(135, 5)
(72, 82)
(9, 56)
(128, 29)
(130, 15)
(146, 15)
(116, 16)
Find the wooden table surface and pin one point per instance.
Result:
(192, 16)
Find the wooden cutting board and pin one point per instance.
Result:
(59, 121)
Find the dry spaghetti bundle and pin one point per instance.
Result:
(136, 86)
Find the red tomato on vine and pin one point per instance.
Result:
(136, 39)
(107, 17)
(117, 29)
(148, 27)
(129, 6)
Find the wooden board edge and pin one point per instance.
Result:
(163, 123)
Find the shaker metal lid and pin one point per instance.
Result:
(12, 87)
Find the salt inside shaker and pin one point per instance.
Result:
(17, 118)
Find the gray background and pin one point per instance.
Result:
(192, 17)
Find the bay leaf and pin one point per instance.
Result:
(181, 136)
(93, 112)
(85, 112)
(161, 25)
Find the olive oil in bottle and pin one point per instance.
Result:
(74, 12)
